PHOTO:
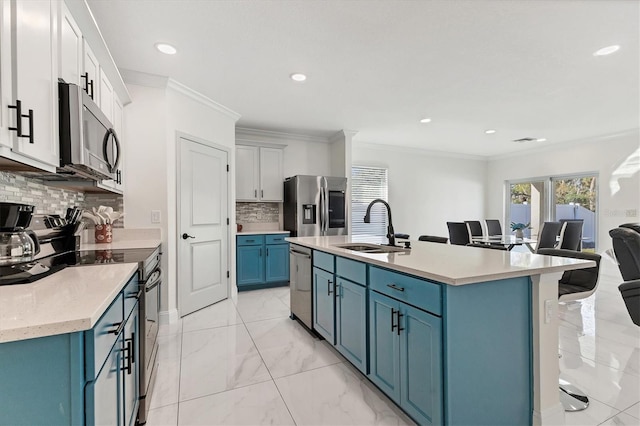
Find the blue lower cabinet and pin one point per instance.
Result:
(406, 357)
(250, 265)
(421, 389)
(103, 396)
(277, 263)
(384, 345)
(262, 261)
(324, 304)
(351, 322)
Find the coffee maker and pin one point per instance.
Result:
(17, 244)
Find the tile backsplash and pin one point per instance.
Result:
(15, 188)
(257, 213)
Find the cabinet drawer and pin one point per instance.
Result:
(130, 293)
(351, 270)
(250, 240)
(420, 293)
(100, 339)
(276, 239)
(323, 260)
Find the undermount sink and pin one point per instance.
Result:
(370, 248)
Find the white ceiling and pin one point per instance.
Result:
(525, 68)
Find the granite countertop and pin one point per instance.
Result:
(122, 244)
(446, 263)
(261, 232)
(70, 300)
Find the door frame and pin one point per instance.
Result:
(178, 145)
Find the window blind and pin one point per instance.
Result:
(367, 184)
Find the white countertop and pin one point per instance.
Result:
(446, 263)
(70, 300)
(261, 232)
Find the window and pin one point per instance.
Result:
(367, 184)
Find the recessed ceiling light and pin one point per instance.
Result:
(166, 48)
(425, 120)
(541, 140)
(607, 50)
(490, 131)
(298, 77)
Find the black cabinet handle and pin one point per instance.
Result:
(18, 108)
(399, 329)
(329, 288)
(30, 135)
(249, 241)
(395, 287)
(127, 359)
(119, 325)
(255, 193)
(393, 326)
(267, 251)
(132, 351)
(85, 77)
(90, 84)
(260, 253)
(262, 193)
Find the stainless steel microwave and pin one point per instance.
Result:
(89, 146)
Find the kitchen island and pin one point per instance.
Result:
(452, 334)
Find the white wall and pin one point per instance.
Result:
(153, 121)
(426, 189)
(616, 160)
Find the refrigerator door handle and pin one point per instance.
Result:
(325, 213)
(322, 201)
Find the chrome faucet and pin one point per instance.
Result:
(367, 219)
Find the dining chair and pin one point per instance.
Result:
(458, 233)
(493, 227)
(626, 246)
(474, 227)
(630, 292)
(571, 235)
(548, 234)
(433, 239)
(575, 285)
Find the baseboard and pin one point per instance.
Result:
(550, 416)
(168, 317)
(246, 287)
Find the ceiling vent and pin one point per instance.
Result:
(524, 140)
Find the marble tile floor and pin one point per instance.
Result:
(247, 363)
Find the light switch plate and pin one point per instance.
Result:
(155, 216)
(548, 311)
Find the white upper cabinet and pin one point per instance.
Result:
(91, 75)
(271, 174)
(259, 174)
(106, 96)
(247, 167)
(32, 95)
(71, 59)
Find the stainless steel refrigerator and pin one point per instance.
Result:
(315, 205)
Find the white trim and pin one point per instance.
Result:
(551, 416)
(422, 151)
(168, 317)
(343, 135)
(566, 144)
(250, 136)
(199, 97)
(140, 78)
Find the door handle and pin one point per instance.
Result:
(185, 236)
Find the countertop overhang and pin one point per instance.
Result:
(447, 263)
(68, 301)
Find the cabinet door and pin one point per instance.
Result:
(117, 184)
(351, 322)
(250, 264)
(70, 42)
(324, 304)
(103, 404)
(106, 96)
(246, 173)
(35, 79)
(92, 72)
(130, 372)
(421, 365)
(271, 174)
(277, 263)
(6, 94)
(384, 342)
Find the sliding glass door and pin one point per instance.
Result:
(527, 204)
(575, 198)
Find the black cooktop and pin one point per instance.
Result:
(28, 272)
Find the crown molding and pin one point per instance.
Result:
(568, 144)
(421, 151)
(343, 135)
(258, 136)
(139, 78)
(204, 100)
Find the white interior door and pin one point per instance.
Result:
(203, 231)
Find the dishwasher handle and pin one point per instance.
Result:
(299, 253)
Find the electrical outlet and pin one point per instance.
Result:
(548, 311)
(155, 216)
(631, 213)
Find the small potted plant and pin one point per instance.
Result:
(519, 228)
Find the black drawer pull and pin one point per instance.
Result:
(249, 241)
(18, 108)
(399, 316)
(393, 313)
(329, 288)
(119, 325)
(395, 287)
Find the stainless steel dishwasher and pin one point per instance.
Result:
(300, 284)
